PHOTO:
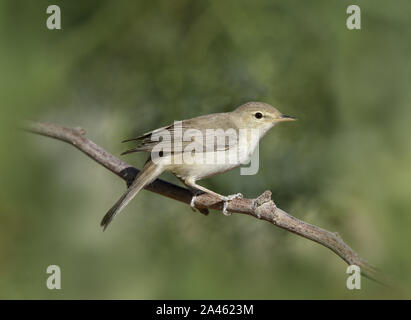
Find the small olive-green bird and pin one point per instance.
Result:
(251, 117)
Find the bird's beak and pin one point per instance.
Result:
(284, 117)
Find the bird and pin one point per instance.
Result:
(172, 148)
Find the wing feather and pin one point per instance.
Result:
(194, 130)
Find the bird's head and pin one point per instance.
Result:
(258, 115)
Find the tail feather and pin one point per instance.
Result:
(147, 175)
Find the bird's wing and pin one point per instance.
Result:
(203, 134)
(148, 134)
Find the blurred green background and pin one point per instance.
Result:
(120, 68)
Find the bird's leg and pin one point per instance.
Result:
(195, 193)
(191, 183)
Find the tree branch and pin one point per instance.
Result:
(261, 208)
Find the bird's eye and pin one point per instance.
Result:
(258, 115)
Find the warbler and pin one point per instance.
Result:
(237, 133)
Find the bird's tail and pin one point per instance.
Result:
(147, 175)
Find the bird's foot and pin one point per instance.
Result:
(234, 196)
(192, 202)
(227, 199)
(193, 207)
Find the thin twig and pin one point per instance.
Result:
(261, 208)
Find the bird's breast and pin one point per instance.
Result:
(201, 165)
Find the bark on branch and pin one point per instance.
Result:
(261, 208)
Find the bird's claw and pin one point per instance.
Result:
(192, 202)
(227, 199)
(194, 208)
(234, 196)
(225, 212)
